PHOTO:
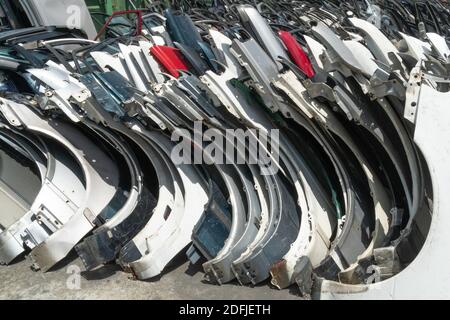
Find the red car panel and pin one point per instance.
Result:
(170, 58)
(297, 54)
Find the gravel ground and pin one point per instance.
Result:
(180, 281)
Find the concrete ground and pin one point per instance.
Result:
(180, 281)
